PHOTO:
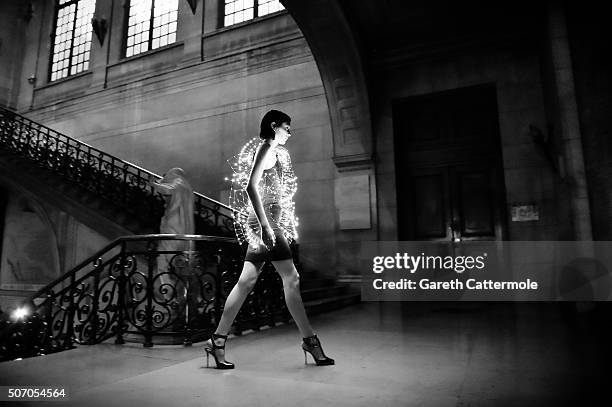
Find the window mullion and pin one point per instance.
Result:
(74, 23)
(151, 20)
(53, 37)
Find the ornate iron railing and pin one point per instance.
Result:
(144, 287)
(118, 182)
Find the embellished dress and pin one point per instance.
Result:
(276, 189)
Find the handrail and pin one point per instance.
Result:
(63, 135)
(117, 241)
(141, 288)
(144, 289)
(76, 268)
(120, 160)
(80, 154)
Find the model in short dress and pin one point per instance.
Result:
(265, 218)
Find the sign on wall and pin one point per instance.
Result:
(352, 194)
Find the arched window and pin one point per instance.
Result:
(151, 24)
(71, 40)
(237, 11)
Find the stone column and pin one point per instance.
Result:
(189, 30)
(571, 138)
(99, 53)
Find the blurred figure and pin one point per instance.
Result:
(178, 216)
(178, 219)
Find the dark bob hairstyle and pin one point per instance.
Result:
(273, 116)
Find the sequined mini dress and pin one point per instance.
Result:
(269, 190)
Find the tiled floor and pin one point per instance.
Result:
(387, 354)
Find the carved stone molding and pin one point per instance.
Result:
(355, 162)
(193, 4)
(331, 41)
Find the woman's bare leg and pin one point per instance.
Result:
(291, 286)
(235, 299)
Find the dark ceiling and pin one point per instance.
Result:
(384, 26)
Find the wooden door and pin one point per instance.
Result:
(449, 176)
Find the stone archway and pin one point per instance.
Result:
(335, 50)
(332, 44)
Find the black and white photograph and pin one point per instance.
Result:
(254, 203)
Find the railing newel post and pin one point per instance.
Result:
(121, 302)
(100, 173)
(189, 295)
(125, 185)
(152, 255)
(77, 160)
(49, 322)
(218, 291)
(72, 311)
(111, 190)
(96, 299)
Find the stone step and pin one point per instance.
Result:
(308, 282)
(332, 303)
(323, 292)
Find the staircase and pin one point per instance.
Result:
(88, 208)
(115, 198)
(96, 181)
(322, 294)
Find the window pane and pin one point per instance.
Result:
(268, 6)
(72, 37)
(236, 11)
(138, 27)
(164, 22)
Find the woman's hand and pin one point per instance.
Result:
(268, 236)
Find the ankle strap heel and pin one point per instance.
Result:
(216, 336)
(312, 345)
(212, 349)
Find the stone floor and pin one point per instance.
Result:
(387, 354)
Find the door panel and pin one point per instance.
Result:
(474, 191)
(430, 209)
(449, 175)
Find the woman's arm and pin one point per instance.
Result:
(252, 191)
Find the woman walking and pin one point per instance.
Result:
(268, 228)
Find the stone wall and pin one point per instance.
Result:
(592, 63)
(194, 103)
(515, 72)
(39, 243)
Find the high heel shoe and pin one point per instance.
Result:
(311, 344)
(210, 349)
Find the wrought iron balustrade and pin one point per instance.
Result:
(145, 287)
(119, 182)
